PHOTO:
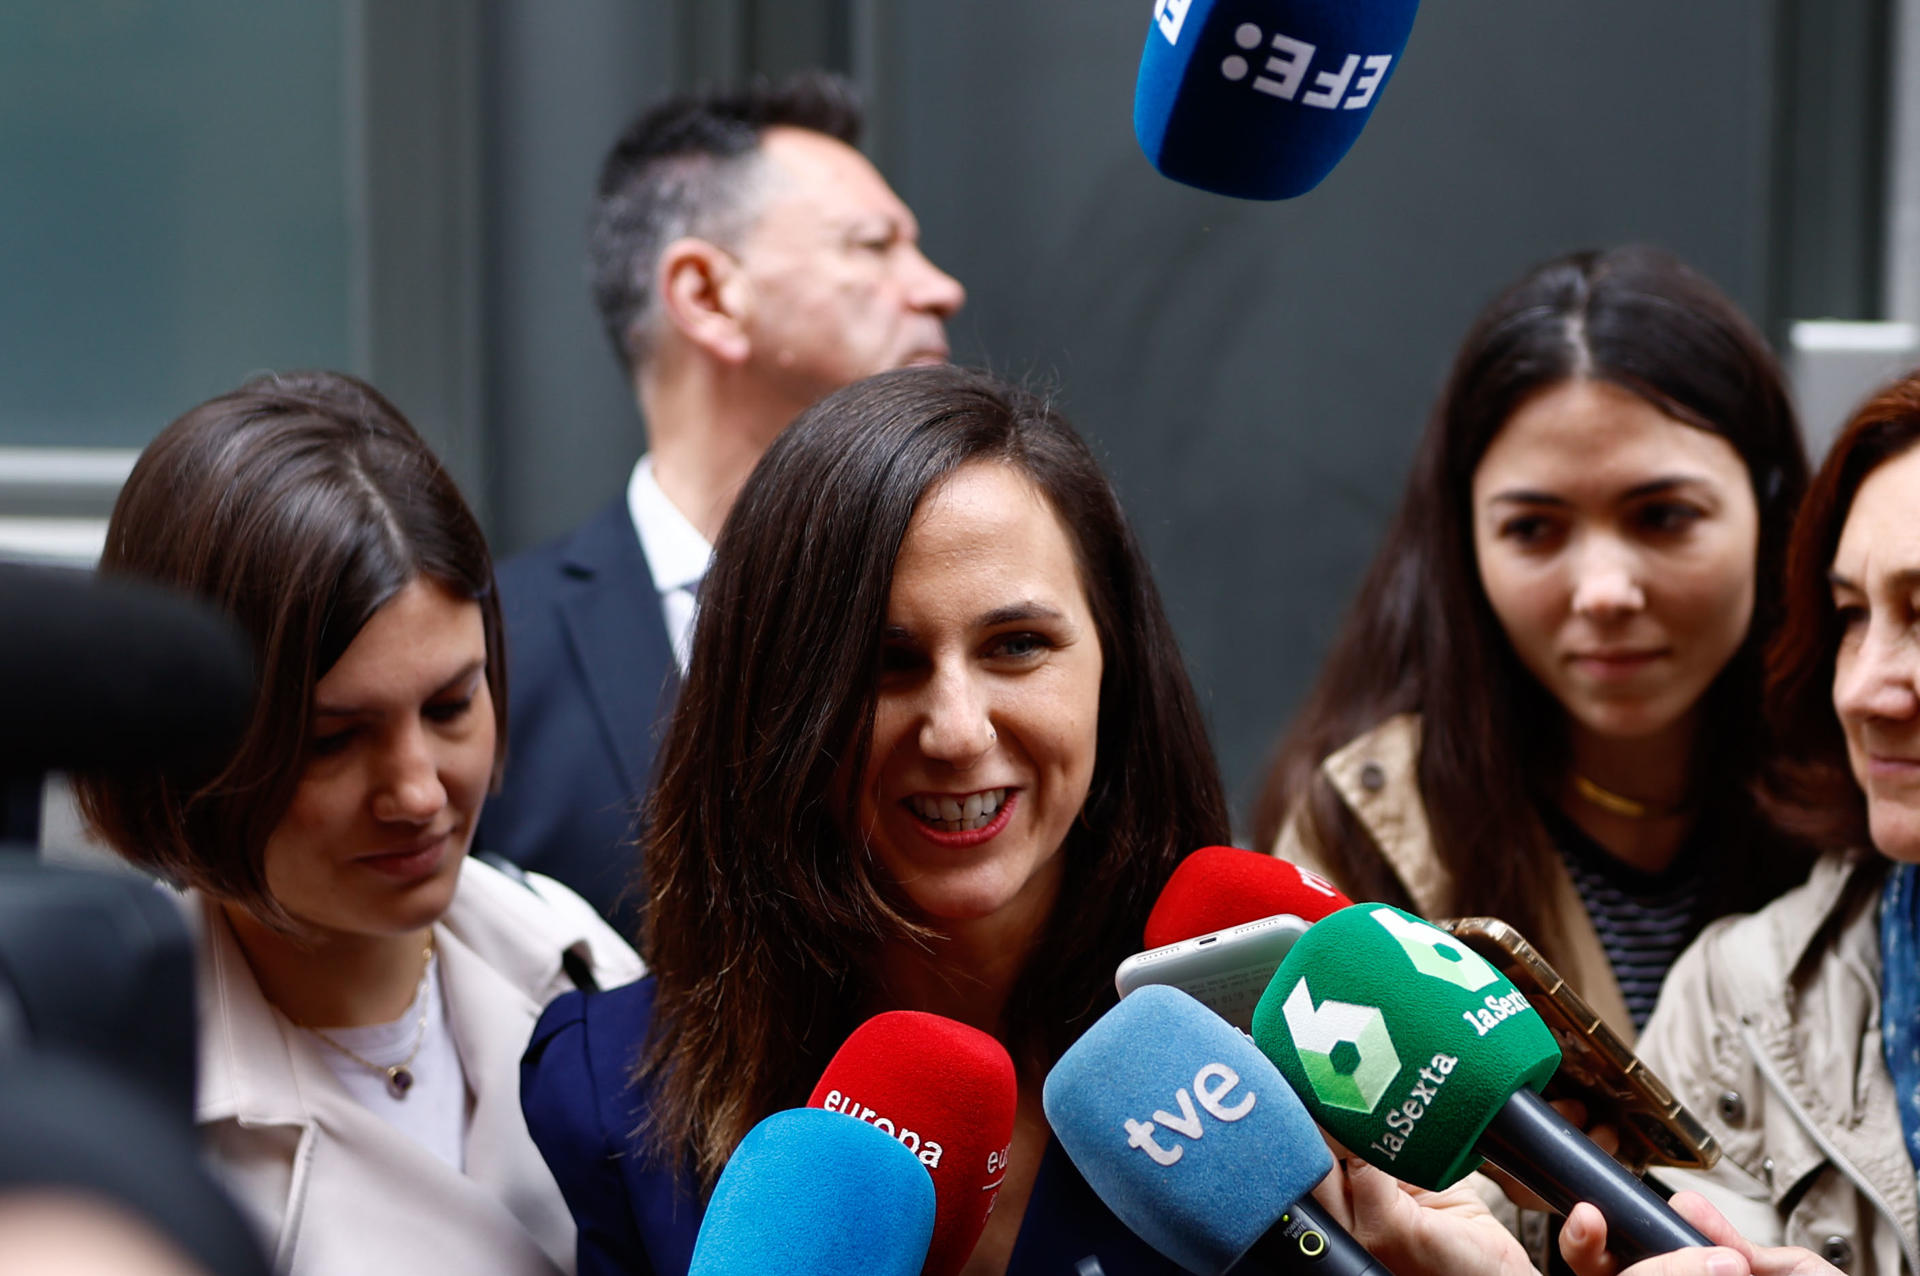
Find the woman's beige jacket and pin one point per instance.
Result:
(334, 1189)
(1377, 776)
(1768, 1028)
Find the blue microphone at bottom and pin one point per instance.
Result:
(812, 1192)
(1194, 1139)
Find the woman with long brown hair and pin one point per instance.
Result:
(1544, 703)
(937, 751)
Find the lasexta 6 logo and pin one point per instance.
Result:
(1345, 1049)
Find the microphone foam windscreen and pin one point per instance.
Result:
(1221, 886)
(1259, 99)
(1402, 1041)
(811, 1192)
(947, 1093)
(104, 674)
(1183, 1128)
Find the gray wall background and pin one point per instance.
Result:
(169, 186)
(194, 191)
(1254, 374)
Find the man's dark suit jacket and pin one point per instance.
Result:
(590, 683)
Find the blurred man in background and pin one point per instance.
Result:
(746, 261)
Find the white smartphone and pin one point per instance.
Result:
(1226, 971)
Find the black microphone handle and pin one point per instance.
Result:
(1548, 1153)
(1305, 1242)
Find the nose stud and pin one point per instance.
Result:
(992, 735)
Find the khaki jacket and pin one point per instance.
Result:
(1377, 776)
(332, 1187)
(1768, 1028)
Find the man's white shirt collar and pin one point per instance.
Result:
(677, 554)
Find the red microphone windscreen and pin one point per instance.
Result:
(1221, 886)
(948, 1093)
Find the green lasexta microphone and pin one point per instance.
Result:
(1419, 1056)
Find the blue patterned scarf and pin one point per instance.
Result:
(1900, 995)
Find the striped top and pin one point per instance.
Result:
(1643, 920)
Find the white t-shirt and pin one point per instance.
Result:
(436, 1110)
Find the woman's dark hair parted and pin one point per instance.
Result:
(1812, 786)
(762, 919)
(1421, 635)
(297, 504)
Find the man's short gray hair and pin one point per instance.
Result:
(690, 167)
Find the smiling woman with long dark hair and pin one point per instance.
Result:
(937, 751)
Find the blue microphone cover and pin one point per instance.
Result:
(1259, 99)
(1186, 1131)
(810, 1191)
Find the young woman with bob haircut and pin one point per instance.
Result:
(1544, 703)
(1795, 1032)
(365, 991)
(936, 751)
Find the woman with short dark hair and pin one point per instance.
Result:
(364, 990)
(1544, 703)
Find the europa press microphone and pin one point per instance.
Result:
(1196, 1142)
(815, 1193)
(1259, 99)
(1222, 924)
(1413, 1051)
(947, 1093)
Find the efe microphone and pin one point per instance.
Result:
(1413, 1051)
(1260, 99)
(946, 1092)
(1195, 1141)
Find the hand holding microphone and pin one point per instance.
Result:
(1583, 1244)
(1418, 1055)
(1414, 1231)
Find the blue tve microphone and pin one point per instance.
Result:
(1194, 1139)
(1259, 99)
(810, 1191)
